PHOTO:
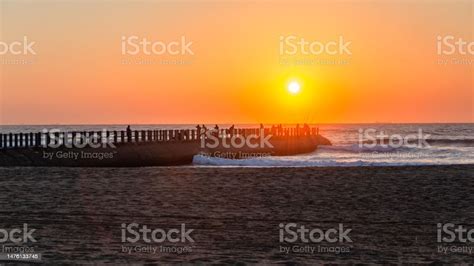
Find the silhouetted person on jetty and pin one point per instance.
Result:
(216, 133)
(231, 130)
(129, 133)
(204, 130)
(198, 130)
(306, 129)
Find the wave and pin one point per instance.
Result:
(359, 148)
(200, 160)
(461, 142)
(467, 142)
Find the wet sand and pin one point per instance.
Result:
(236, 212)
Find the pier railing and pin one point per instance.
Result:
(77, 138)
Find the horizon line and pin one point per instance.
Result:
(252, 123)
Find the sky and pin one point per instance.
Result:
(88, 67)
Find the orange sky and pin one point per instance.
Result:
(236, 73)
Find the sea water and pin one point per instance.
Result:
(352, 145)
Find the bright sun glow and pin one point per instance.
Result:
(294, 87)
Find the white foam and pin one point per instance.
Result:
(297, 161)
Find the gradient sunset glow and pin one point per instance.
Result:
(236, 72)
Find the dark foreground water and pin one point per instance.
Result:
(235, 213)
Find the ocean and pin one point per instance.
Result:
(239, 211)
(353, 145)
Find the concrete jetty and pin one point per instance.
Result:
(157, 147)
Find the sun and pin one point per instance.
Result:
(294, 87)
